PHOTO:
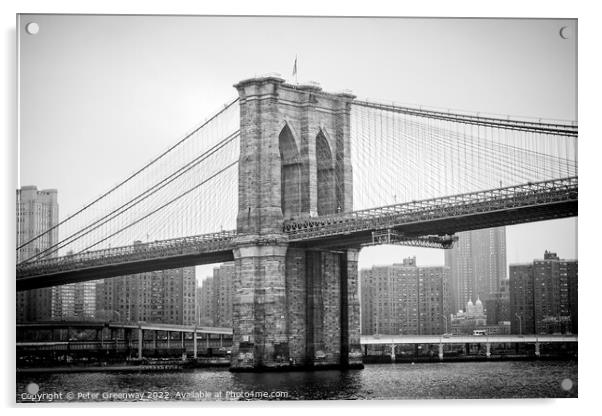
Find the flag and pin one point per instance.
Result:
(295, 67)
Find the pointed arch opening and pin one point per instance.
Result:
(290, 179)
(327, 201)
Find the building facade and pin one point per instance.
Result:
(404, 299)
(543, 296)
(477, 265)
(223, 278)
(206, 312)
(472, 318)
(165, 296)
(497, 304)
(37, 212)
(215, 297)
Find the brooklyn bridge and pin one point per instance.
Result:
(290, 182)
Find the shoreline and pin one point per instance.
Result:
(186, 366)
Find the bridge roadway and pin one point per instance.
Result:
(125, 325)
(198, 333)
(365, 339)
(442, 216)
(465, 339)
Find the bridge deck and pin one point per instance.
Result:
(438, 216)
(464, 339)
(445, 215)
(124, 325)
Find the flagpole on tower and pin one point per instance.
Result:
(295, 71)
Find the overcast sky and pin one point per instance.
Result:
(102, 95)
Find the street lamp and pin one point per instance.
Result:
(445, 317)
(520, 324)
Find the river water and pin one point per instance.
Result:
(535, 379)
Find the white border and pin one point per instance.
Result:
(589, 114)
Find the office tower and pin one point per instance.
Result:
(477, 265)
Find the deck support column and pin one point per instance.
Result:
(140, 340)
(194, 346)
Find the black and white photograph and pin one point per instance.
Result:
(226, 208)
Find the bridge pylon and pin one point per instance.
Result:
(293, 306)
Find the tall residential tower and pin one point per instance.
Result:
(37, 212)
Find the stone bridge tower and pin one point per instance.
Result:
(293, 306)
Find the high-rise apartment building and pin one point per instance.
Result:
(404, 299)
(37, 212)
(543, 296)
(205, 309)
(497, 304)
(165, 296)
(215, 297)
(84, 300)
(477, 265)
(223, 278)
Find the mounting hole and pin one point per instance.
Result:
(32, 28)
(565, 32)
(566, 384)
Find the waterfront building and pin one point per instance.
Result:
(543, 296)
(477, 265)
(403, 299)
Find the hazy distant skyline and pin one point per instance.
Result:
(102, 95)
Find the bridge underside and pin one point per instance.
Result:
(121, 269)
(450, 225)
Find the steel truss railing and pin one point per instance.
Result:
(389, 236)
(204, 243)
(391, 216)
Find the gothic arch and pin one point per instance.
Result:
(327, 203)
(290, 179)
